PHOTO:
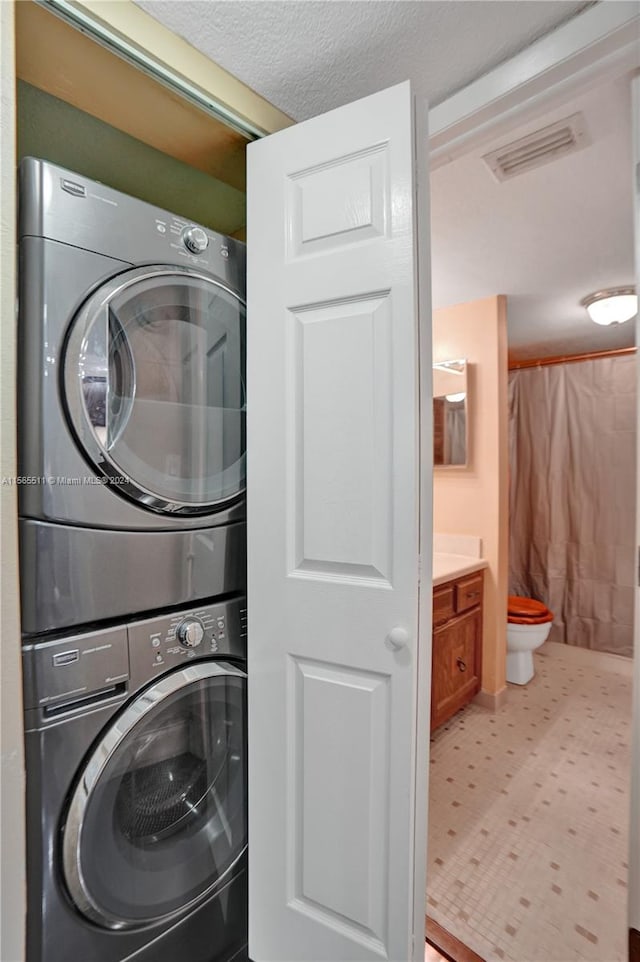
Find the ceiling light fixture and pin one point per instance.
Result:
(614, 306)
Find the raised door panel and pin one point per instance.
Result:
(340, 440)
(349, 893)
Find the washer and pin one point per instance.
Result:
(136, 790)
(131, 404)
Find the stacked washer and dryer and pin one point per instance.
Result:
(132, 550)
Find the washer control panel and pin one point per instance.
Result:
(63, 673)
(67, 674)
(159, 644)
(190, 632)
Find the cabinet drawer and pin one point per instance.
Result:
(469, 592)
(443, 604)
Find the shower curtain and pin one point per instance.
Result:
(572, 438)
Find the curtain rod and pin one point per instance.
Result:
(569, 358)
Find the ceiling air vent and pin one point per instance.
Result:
(540, 147)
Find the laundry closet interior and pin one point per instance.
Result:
(84, 107)
(131, 427)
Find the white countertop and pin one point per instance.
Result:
(446, 567)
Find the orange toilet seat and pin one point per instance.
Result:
(527, 611)
(514, 620)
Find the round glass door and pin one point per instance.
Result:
(158, 817)
(154, 384)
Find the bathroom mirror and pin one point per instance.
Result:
(450, 413)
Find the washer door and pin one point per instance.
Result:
(154, 388)
(158, 816)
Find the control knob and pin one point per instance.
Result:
(195, 239)
(190, 633)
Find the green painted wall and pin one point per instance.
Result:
(53, 130)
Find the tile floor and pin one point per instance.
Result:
(528, 815)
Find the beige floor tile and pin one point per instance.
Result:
(528, 830)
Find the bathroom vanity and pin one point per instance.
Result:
(457, 634)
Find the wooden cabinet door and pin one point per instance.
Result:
(456, 664)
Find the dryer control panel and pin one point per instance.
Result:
(67, 207)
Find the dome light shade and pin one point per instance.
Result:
(615, 306)
(454, 398)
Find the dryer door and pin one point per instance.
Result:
(158, 816)
(154, 388)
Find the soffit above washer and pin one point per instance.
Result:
(309, 56)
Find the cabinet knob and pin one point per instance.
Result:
(462, 665)
(398, 638)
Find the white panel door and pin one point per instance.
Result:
(339, 648)
(634, 824)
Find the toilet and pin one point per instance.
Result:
(528, 627)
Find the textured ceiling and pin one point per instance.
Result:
(548, 237)
(308, 56)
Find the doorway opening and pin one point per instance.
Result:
(529, 783)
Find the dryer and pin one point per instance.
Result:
(136, 790)
(131, 404)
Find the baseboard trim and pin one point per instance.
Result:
(634, 945)
(447, 944)
(494, 701)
